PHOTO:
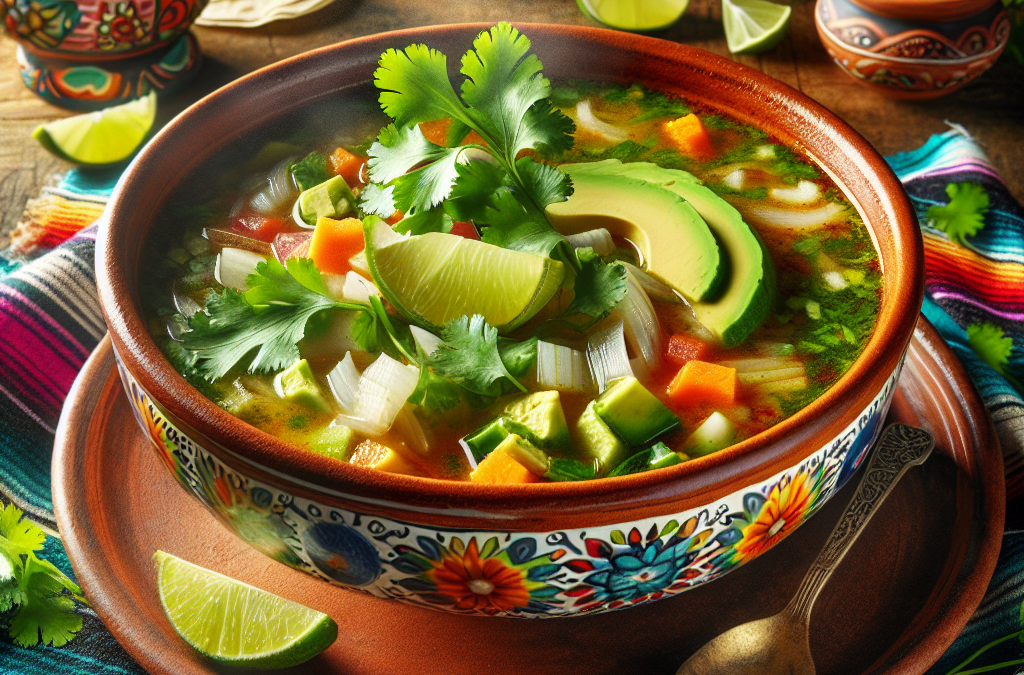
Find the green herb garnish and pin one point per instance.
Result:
(310, 171)
(964, 215)
(991, 344)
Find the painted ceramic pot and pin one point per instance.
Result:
(913, 49)
(541, 550)
(89, 54)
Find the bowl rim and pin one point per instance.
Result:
(525, 507)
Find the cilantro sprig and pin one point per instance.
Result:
(964, 215)
(991, 344)
(39, 597)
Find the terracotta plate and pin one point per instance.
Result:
(897, 601)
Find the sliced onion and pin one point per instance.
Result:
(425, 340)
(291, 245)
(359, 264)
(279, 189)
(784, 386)
(600, 240)
(411, 431)
(776, 216)
(736, 180)
(804, 192)
(234, 266)
(774, 348)
(606, 352)
(562, 368)
(344, 383)
(358, 289)
(383, 390)
(229, 239)
(653, 287)
(640, 322)
(585, 120)
(835, 280)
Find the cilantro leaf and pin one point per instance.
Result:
(10, 592)
(310, 171)
(598, 286)
(21, 535)
(434, 393)
(991, 344)
(511, 226)
(429, 185)
(544, 183)
(476, 183)
(415, 87)
(421, 222)
(964, 215)
(378, 200)
(44, 611)
(469, 357)
(517, 356)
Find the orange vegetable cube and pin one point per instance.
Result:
(334, 242)
(702, 382)
(689, 136)
(498, 468)
(373, 455)
(435, 131)
(685, 348)
(343, 163)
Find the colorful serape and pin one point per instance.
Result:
(50, 320)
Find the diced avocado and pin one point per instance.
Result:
(331, 199)
(658, 456)
(481, 442)
(526, 453)
(333, 441)
(564, 469)
(539, 418)
(750, 292)
(297, 385)
(670, 234)
(597, 442)
(714, 434)
(634, 414)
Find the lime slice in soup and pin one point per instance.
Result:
(235, 623)
(634, 15)
(434, 278)
(103, 137)
(753, 26)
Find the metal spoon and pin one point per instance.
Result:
(780, 644)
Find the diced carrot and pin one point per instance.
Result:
(684, 348)
(395, 217)
(373, 455)
(498, 468)
(258, 226)
(702, 382)
(343, 163)
(689, 136)
(466, 230)
(334, 242)
(436, 130)
(473, 138)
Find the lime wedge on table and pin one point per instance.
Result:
(106, 136)
(235, 623)
(634, 15)
(753, 26)
(434, 278)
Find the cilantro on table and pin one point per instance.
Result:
(36, 596)
(310, 171)
(964, 215)
(991, 344)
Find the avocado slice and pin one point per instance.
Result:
(674, 240)
(331, 199)
(297, 385)
(333, 441)
(634, 414)
(483, 441)
(597, 442)
(750, 293)
(526, 453)
(539, 419)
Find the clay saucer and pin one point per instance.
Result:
(896, 603)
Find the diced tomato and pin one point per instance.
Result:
(350, 167)
(684, 348)
(258, 226)
(463, 229)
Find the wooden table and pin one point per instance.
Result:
(991, 108)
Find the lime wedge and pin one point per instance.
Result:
(434, 278)
(753, 26)
(235, 623)
(634, 15)
(103, 137)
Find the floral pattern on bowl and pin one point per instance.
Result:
(507, 573)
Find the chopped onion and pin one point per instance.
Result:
(760, 372)
(411, 431)
(585, 120)
(755, 364)
(835, 280)
(344, 383)
(234, 266)
(805, 192)
(383, 390)
(291, 245)
(358, 289)
(776, 216)
(640, 322)
(736, 180)
(280, 188)
(783, 386)
(600, 240)
(654, 288)
(229, 239)
(765, 152)
(359, 264)
(297, 217)
(562, 368)
(606, 352)
(761, 377)
(425, 340)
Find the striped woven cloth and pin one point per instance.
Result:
(50, 320)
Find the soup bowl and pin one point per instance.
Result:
(539, 550)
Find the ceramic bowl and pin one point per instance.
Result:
(542, 550)
(913, 49)
(89, 54)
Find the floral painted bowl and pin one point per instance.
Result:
(89, 54)
(913, 49)
(541, 550)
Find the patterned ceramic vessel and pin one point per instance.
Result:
(542, 550)
(904, 50)
(89, 54)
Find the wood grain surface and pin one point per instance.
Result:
(991, 107)
(895, 603)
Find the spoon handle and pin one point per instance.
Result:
(900, 448)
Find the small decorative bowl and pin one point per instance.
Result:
(542, 550)
(90, 54)
(913, 49)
